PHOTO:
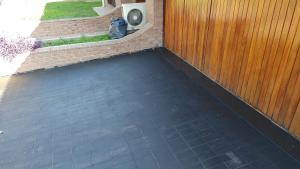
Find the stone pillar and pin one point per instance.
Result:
(104, 3)
(150, 11)
(128, 1)
(118, 3)
(155, 12)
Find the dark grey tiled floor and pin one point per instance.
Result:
(130, 112)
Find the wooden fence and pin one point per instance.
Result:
(250, 47)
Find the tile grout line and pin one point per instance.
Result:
(189, 147)
(170, 150)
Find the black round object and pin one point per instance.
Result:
(135, 17)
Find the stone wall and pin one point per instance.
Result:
(46, 58)
(120, 2)
(66, 27)
(128, 1)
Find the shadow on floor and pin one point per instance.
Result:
(134, 111)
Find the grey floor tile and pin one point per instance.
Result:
(135, 111)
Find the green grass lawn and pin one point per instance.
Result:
(70, 9)
(82, 39)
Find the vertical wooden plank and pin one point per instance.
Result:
(286, 64)
(234, 45)
(170, 31)
(176, 27)
(224, 67)
(241, 41)
(203, 27)
(190, 31)
(295, 129)
(246, 57)
(214, 53)
(185, 21)
(277, 54)
(229, 20)
(210, 35)
(257, 21)
(255, 58)
(194, 33)
(181, 26)
(264, 37)
(292, 95)
(272, 52)
(268, 59)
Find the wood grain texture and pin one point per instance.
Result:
(250, 47)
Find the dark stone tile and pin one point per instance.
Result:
(165, 158)
(247, 166)
(125, 165)
(204, 152)
(146, 162)
(218, 166)
(132, 132)
(195, 166)
(187, 158)
(62, 159)
(221, 145)
(42, 162)
(135, 111)
(192, 135)
(104, 164)
(177, 145)
(215, 161)
(197, 141)
(170, 133)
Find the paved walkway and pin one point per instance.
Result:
(129, 112)
(21, 17)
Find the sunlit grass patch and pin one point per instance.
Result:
(70, 9)
(83, 39)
